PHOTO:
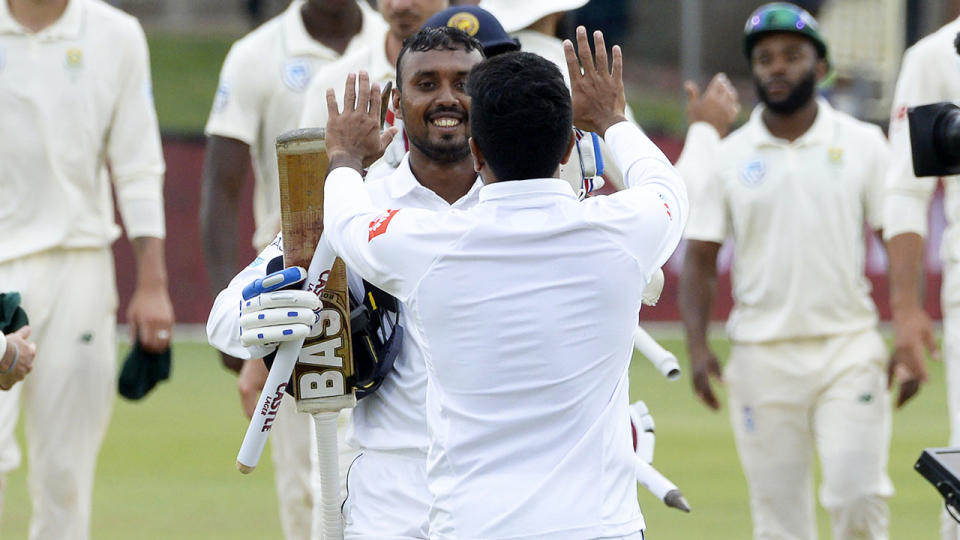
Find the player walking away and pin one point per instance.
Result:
(524, 403)
(261, 92)
(75, 89)
(807, 369)
(928, 75)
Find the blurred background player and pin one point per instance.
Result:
(76, 92)
(261, 91)
(16, 357)
(929, 74)
(807, 368)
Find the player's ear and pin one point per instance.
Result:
(478, 161)
(569, 151)
(395, 95)
(823, 69)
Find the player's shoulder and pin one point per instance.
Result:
(936, 44)
(851, 128)
(737, 141)
(104, 19)
(261, 38)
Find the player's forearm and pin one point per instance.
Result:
(218, 230)
(905, 254)
(698, 284)
(224, 171)
(151, 263)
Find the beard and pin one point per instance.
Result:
(800, 95)
(447, 150)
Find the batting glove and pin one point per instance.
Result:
(642, 423)
(271, 313)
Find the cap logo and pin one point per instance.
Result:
(465, 21)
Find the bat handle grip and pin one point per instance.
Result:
(664, 360)
(330, 498)
(268, 405)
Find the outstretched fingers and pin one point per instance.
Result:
(363, 94)
(350, 93)
(583, 50)
(573, 65)
(618, 64)
(600, 48)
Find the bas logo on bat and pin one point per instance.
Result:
(270, 407)
(325, 351)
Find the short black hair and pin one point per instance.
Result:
(521, 116)
(437, 38)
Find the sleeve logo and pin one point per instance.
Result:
(379, 225)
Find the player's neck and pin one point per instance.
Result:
(791, 126)
(36, 15)
(333, 27)
(451, 181)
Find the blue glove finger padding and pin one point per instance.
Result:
(275, 281)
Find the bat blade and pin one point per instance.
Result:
(323, 374)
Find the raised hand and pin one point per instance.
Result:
(353, 136)
(719, 104)
(596, 86)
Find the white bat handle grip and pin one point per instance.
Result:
(326, 424)
(268, 405)
(662, 359)
(653, 480)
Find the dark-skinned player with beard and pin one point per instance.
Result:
(793, 189)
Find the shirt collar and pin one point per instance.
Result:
(520, 188)
(402, 182)
(300, 43)
(67, 26)
(821, 132)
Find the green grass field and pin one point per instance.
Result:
(167, 466)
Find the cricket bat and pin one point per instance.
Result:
(322, 364)
(324, 370)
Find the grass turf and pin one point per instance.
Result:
(166, 469)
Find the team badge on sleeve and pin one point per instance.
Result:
(379, 225)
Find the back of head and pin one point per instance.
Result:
(782, 17)
(521, 115)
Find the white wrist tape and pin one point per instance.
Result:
(3, 345)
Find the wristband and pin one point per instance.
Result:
(16, 356)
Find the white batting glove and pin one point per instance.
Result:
(643, 426)
(269, 315)
(651, 293)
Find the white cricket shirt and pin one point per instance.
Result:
(262, 88)
(527, 305)
(394, 417)
(930, 73)
(75, 97)
(796, 212)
